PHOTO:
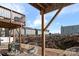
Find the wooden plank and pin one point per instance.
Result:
(41, 6)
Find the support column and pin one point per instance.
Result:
(13, 35)
(9, 36)
(9, 45)
(20, 38)
(43, 34)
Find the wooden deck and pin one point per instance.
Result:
(7, 23)
(10, 18)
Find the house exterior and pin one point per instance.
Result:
(70, 30)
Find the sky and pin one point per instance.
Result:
(68, 16)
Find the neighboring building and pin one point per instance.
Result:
(29, 31)
(32, 31)
(24, 31)
(70, 30)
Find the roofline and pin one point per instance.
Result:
(69, 25)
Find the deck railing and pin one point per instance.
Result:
(11, 15)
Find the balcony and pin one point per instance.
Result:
(10, 18)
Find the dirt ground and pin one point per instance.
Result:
(48, 51)
(52, 52)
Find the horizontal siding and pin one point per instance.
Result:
(68, 30)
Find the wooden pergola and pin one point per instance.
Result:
(46, 8)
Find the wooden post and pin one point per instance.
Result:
(13, 35)
(20, 38)
(43, 34)
(9, 36)
(9, 46)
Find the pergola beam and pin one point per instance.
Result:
(41, 5)
(53, 18)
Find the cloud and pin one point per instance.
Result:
(37, 21)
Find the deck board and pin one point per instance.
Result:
(4, 23)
